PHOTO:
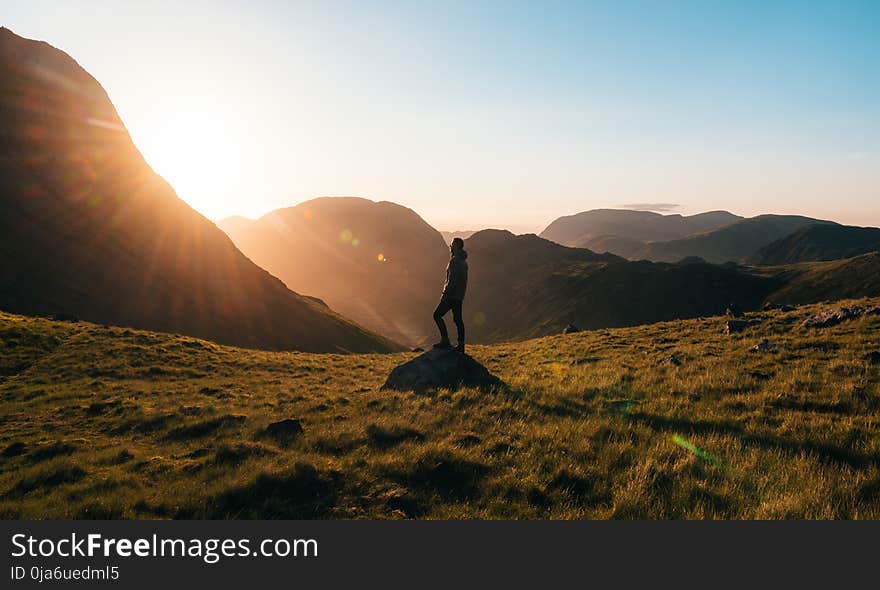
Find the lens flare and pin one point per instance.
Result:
(380, 257)
(705, 456)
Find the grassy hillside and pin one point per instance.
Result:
(818, 243)
(812, 282)
(107, 422)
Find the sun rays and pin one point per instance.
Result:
(198, 149)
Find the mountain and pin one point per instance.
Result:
(451, 235)
(526, 286)
(636, 226)
(715, 236)
(88, 229)
(625, 247)
(376, 262)
(818, 243)
(735, 242)
(812, 282)
(234, 224)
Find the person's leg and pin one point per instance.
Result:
(441, 310)
(459, 323)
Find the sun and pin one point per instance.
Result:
(198, 150)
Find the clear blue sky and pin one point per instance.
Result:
(498, 114)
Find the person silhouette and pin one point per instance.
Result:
(453, 295)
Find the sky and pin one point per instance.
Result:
(492, 114)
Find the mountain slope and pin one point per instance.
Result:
(640, 226)
(735, 242)
(525, 286)
(625, 247)
(87, 228)
(817, 243)
(234, 224)
(811, 282)
(377, 263)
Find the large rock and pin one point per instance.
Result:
(441, 369)
(736, 326)
(832, 317)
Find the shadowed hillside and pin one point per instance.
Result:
(378, 263)
(816, 243)
(526, 286)
(735, 242)
(625, 247)
(623, 230)
(811, 282)
(88, 229)
(671, 420)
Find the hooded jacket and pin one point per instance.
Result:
(456, 276)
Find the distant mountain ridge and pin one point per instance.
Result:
(378, 263)
(581, 229)
(715, 236)
(524, 286)
(735, 242)
(819, 243)
(87, 228)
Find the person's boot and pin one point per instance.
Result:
(443, 344)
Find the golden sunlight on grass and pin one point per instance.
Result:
(103, 422)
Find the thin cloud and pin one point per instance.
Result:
(656, 207)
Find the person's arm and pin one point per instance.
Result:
(452, 278)
(457, 275)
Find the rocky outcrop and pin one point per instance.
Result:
(832, 317)
(441, 369)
